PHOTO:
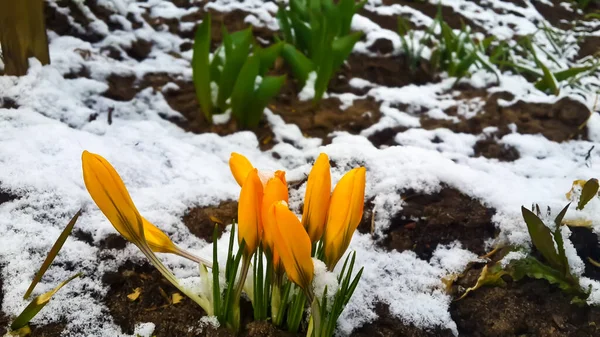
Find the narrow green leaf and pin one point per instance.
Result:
(300, 64)
(304, 35)
(215, 274)
(268, 88)
(52, 253)
(285, 24)
(201, 67)
(243, 91)
(590, 190)
(268, 56)
(37, 304)
(560, 245)
(235, 57)
(541, 237)
(342, 48)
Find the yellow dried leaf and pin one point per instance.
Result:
(176, 298)
(135, 294)
(215, 219)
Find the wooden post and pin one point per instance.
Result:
(22, 34)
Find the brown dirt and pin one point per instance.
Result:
(589, 45)
(381, 70)
(320, 120)
(557, 15)
(201, 221)
(558, 122)
(526, 308)
(490, 148)
(385, 137)
(171, 320)
(440, 218)
(8, 103)
(388, 326)
(390, 22)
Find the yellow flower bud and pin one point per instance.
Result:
(345, 213)
(240, 167)
(110, 195)
(292, 244)
(249, 212)
(316, 199)
(275, 190)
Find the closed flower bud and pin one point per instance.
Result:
(240, 167)
(316, 199)
(345, 213)
(292, 244)
(249, 212)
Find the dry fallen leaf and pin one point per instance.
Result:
(135, 294)
(176, 298)
(215, 219)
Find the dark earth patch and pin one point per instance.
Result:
(561, 121)
(201, 221)
(386, 137)
(380, 70)
(6, 196)
(588, 247)
(526, 308)
(491, 148)
(171, 320)
(556, 14)
(387, 325)
(589, 46)
(440, 218)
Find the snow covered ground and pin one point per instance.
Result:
(169, 171)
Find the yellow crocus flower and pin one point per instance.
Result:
(292, 244)
(110, 195)
(316, 198)
(240, 166)
(249, 212)
(345, 213)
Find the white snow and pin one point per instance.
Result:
(168, 170)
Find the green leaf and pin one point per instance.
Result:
(533, 268)
(300, 64)
(284, 23)
(560, 245)
(268, 88)
(201, 68)
(342, 48)
(243, 91)
(541, 237)
(303, 35)
(37, 304)
(590, 190)
(571, 72)
(237, 49)
(52, 253)
(268, 56)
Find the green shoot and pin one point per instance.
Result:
(318, 38)
(237, 70)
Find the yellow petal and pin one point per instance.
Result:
(240, 167)
(157, 240)
(316, 199)
(345, 213)
(275, 190)
(249, 209)
(293, 245)
(108, 192)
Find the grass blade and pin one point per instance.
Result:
(52, 253)
(201, 67)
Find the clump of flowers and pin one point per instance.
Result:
(292, 260)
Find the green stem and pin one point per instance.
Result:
(234, 320)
